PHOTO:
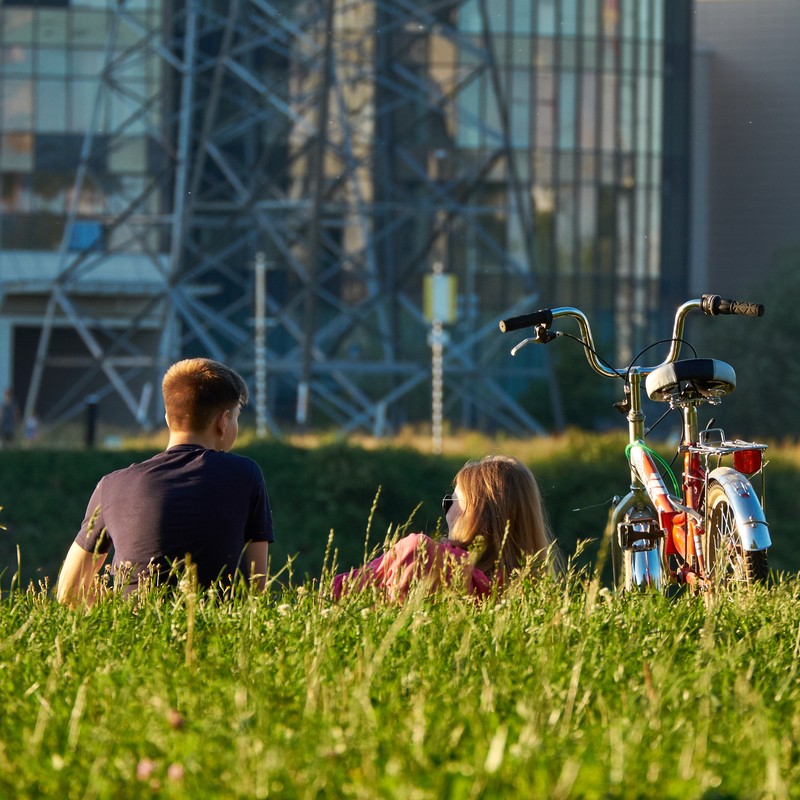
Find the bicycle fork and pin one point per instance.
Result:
(638, 541)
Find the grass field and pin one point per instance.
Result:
(559, 689)
(556, 690)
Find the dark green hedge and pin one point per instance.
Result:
(333, 487)
(312, 491)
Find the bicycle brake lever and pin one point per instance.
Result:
(524, 343)
(543, 336)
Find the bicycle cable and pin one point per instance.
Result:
(594, 352)
(660, 460)
(655, 344)
(659, 421)
(626, 378)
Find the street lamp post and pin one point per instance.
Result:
(260, 334)
(440, 309)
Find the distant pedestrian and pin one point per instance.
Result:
(9, 419)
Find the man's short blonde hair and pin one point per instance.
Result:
(196, 389)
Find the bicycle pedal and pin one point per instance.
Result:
(639, 535)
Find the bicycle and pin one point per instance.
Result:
(710, 530)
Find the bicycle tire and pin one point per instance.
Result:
(727, 561)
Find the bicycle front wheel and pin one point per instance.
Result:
(726, 559)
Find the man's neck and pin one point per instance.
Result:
(206, 439)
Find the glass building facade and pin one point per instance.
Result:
(536, 149)
(52, 56)
(65, 205)
(597, 111)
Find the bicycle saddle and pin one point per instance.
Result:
(691, 378)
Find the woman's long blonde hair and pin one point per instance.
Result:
(501, 504)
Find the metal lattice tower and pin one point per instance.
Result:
(337, 140)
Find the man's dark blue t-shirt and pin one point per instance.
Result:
(187, 500)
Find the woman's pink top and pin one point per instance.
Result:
(416, 558)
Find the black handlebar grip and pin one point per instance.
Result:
(714, 305)
(542, 317)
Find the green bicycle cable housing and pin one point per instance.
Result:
(661, 462)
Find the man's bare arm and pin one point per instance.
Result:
(77, 576)
(255, 559)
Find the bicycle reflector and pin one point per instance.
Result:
(747, 461)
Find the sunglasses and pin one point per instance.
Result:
(447, 501)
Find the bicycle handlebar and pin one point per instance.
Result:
(711, 305)
(541, 317)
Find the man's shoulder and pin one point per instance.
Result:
(236, 464)
(124, 473)
(236, 458)
(170, 459)
(165, 469)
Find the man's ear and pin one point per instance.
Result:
(222, 420)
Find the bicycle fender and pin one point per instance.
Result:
(746, 507)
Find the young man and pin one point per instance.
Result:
(195, 501)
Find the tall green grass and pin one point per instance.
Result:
(559, 689)
(556, 690)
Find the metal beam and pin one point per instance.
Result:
(288, 128)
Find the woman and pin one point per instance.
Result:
(496, 524)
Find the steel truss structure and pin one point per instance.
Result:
(334, 139)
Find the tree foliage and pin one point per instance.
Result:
(586, 399)
(764, 354)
